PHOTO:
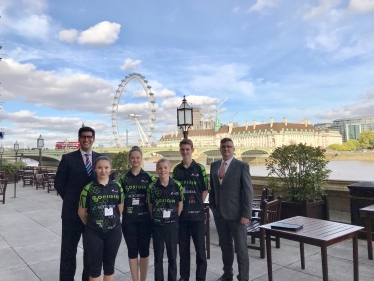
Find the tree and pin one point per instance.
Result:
(299, 170)
(121, 163)
(335, 146)
(9, 166)
(366, 139)
(351, 145)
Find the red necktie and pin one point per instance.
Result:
(222, 170)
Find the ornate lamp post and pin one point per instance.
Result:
(185, 117)
(16, 148)
(1, 155)
(40, 145)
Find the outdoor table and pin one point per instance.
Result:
(315, 232)
(368, 213)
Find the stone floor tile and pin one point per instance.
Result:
(19, 274)
(10, 260)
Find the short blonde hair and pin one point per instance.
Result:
(163, 160)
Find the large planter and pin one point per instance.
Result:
(318, 209)
(9, 177)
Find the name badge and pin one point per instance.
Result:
(166, 214)
(108, 212)
(135, 201)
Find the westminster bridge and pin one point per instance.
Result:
(206, 154)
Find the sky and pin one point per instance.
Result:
(62, 62)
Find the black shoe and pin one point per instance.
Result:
(181, 279)
(224, 278)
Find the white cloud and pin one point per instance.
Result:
(77, 91)
(35, 5)
(130, 64)
(68, 35)
(27, 125)
(325, 6)
(261, 4)
(236, 9)
(224, 79)
(25, 19)
(101, 34)
(165, 93)
(361, 6)
(364, 106)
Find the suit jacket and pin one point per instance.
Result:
(233, 198)
(70, 179)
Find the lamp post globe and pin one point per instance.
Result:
(40, 145)
(16, 148)
(185, 117)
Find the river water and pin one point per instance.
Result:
(341, 170)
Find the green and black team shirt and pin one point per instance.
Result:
(102, 205)
(194, 181)
(135, 189)
(165, 201)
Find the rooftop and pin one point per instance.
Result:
(30, 238)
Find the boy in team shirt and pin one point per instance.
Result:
(194, 179)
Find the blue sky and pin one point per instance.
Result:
(63, 60)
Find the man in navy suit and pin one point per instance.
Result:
(230, 199)
(75, 170)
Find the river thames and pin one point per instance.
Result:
(341, 170)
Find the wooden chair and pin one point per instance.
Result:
(28, 180)
(257, 199)
(51, 184)
(207, 231)
(39, 181)
(269, 212)
(3, 184)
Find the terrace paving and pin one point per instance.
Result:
(30, 237)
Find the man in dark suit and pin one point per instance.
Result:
(74, 172)
(230, 199)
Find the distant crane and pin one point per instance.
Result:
(209, 113)
(144, 141)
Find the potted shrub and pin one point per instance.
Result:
(120, 164)
(299, 172)
(9, 167)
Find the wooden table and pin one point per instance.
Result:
(368, 214)
(318, 233)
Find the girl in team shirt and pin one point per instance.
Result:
(136, 220)
(100, 209)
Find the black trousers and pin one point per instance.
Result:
(137, 235)
(194, 229)
(165, 235)
(229, 230)
(72, 229)
(102, 249)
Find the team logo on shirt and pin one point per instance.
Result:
(174, 193)
(144, 181)
(194, 175)
(191, 199)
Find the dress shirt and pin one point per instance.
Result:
(228, 162)
(84, 157)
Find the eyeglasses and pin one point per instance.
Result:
(86, 137)
(226, 146)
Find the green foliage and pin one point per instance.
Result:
(298, 170)
(366, 139)
(121, 163)
(8, 166)
(347, 146)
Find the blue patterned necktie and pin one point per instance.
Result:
(88, 164)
